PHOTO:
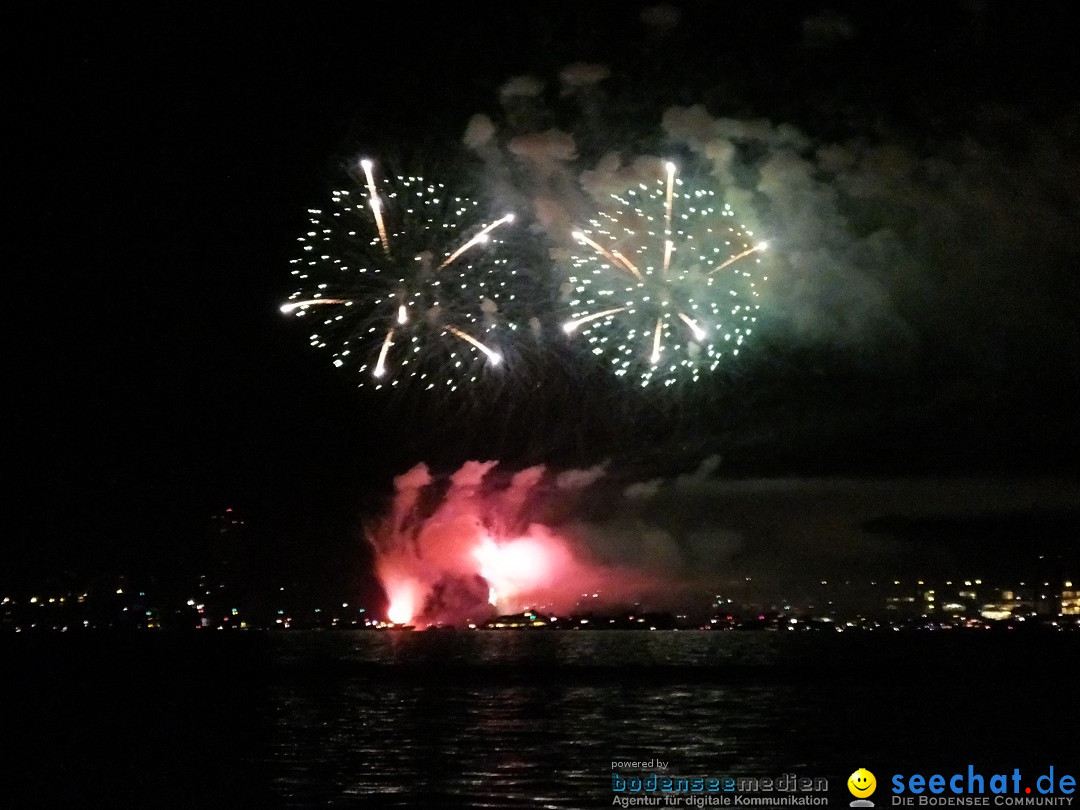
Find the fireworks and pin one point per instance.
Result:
(667, 282)
(408, 284)
(405, 283)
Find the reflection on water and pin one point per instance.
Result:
(516, 746)
(514, 719)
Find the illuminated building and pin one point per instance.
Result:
(1070, 600)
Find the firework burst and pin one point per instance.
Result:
(667, 282)
(404, 282)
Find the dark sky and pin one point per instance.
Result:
(165, 155)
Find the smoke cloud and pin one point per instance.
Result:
(481, 540)
(884, 240)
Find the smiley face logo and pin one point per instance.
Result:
(861, 783)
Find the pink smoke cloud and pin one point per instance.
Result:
(469, 545)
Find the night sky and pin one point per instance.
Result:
(165, 156)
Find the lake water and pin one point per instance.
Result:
(516, 719)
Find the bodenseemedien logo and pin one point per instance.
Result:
(862, 785)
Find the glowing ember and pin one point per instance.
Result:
(402, 606)
(513, 567)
